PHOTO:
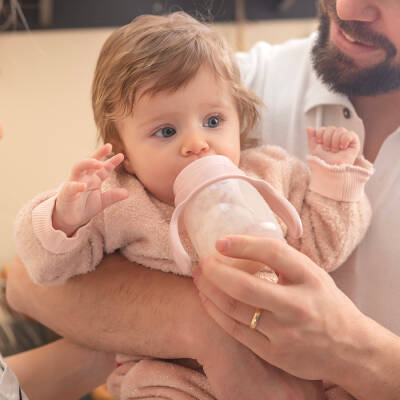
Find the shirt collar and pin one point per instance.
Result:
(318, 94)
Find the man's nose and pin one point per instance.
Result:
(358, 10)
(194, 144)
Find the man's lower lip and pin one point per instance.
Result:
(354, 50)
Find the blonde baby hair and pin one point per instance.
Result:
(161, 53)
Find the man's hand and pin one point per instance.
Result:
(308, 327)
(236, 373)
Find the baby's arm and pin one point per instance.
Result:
(331, 201)
(61, 234)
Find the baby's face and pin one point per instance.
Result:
(171, 129)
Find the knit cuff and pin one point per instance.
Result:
(339, 182)
(53, 240)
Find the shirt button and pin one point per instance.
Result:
(346, 113)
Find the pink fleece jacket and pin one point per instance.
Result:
(330, 200)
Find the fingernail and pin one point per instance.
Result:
(222, 245)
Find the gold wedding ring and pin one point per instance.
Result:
(255, 319)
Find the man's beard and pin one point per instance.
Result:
(340, 72)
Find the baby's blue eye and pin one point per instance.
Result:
(165, 132)
(212, 122)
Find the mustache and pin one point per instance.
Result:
(361, 33)
(358, 30)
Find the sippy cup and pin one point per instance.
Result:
(214, 198)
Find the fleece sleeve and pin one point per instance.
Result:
(51, 258)
(333, 207)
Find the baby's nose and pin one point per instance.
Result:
(194, 146)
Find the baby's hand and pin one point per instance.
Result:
(80, 199)
(334, 145)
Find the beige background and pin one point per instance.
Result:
(45, 80)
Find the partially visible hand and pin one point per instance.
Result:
(80, 199)
(308, 327)
(236, 373)
(334, 145)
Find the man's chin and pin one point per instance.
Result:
(361, 76)
(342, 75)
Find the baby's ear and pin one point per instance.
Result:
(128, 165)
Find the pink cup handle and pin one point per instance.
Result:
(181, 258)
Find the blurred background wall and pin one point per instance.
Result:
(46, 73)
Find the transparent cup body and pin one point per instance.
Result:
(227, 207)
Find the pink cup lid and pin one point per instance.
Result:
(201, 173)
(211, 169)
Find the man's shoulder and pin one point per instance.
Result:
(268, 69)
(263, 54)
(289, 48)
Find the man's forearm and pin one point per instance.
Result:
(370, 362)
(121, 307)
(60, 370)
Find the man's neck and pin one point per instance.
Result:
(381, 117)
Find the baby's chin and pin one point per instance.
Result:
(170, 201)
(168, 198)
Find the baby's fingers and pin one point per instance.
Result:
(109, 165)
(354, 141)
(89, 165)
(326, 137)
(113, 162)
(311, 132)
(344, 140)
(113, 196)
(336, 139)
(69, 191)
(102, 152)
(312, 139)
(349, 139)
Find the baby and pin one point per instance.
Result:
(167, 91)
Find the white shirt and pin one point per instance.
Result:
(283, 77)
(9, 386)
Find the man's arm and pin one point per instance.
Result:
(121, 307)
(308, 327)
(60, 370)
(125, 308)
